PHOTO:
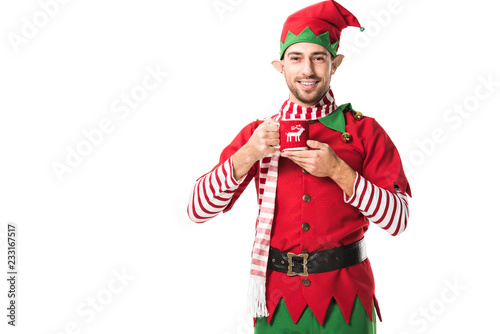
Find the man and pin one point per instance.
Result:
(309, 270)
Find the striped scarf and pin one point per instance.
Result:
(268, 179)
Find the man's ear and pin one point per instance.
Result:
(278, 65)
(336, 62)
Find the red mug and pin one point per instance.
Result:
(294, 135)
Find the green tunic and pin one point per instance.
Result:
(308, 324)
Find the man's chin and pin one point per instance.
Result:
(309, 97)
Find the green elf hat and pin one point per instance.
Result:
(321, 24)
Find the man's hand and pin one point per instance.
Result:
(263, 140)
(322, 161)
(260, 144)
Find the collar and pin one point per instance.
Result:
(336, 120)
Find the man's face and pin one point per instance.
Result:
(308, 72)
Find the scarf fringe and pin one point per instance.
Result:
(257, 297)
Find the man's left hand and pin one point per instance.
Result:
(322, 161)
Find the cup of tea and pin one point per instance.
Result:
(293, 135)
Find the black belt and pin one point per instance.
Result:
(306, 263)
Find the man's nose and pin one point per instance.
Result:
(308, 69)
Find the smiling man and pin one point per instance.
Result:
(309, 268)
(308, 72)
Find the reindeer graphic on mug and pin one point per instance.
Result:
(296, 134)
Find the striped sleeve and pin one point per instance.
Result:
(386, 209)
(213, 192)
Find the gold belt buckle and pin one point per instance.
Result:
(304, 257)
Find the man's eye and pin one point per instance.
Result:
(320, 58)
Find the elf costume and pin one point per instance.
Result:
(309, 269)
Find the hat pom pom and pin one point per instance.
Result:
(362, 29)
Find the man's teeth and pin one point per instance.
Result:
(307, 83)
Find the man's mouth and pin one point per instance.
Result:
(308, 84)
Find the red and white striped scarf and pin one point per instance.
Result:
(268, 179)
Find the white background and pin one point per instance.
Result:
(120, 208)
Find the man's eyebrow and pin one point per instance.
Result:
(296, 53)
(320, 53)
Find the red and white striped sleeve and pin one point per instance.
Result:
(213, 192)
(386, 209)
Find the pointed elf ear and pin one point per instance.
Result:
(278, 65)
(336, 61)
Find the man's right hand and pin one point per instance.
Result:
(260, 144)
